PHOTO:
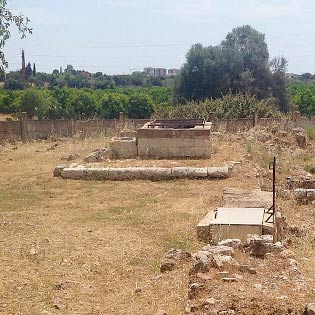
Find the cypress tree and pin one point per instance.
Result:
(34, 70)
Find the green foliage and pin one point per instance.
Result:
(228, 106)
(240, 65)
(72, 103)
(28, 70)
(82, 104)
(13, 81)
(33, 102)
(140, 106)
(303, 95)
(278, 67)
(6, 100)
(111, 105)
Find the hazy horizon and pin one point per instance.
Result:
(118, 37)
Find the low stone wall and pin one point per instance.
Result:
(10, 130)
(43, 129)
(172, 148)
(304, 195)
(144, 173)
(27, 129)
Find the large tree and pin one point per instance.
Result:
(247, 59)
(7, 18)
(240, 64)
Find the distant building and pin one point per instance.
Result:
(85, 74)
(149, 71)
(172, 71)
(69, 68)
(160, 72)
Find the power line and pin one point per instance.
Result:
(79, 66)
(105, 56)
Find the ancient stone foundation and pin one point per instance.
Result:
(124, 147)
(164, 139)
(173, 143)
(145, 173)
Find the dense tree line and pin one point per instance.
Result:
(66, 103)
(79, 79)
(240, 64)
(303, 96)
(231, 80)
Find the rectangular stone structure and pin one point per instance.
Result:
(134, 173)
(124, 147)
(229, 223)
(174, 143)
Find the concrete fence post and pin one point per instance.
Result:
(295, 116)
(24, 133)
(121, 117)
(255, 119)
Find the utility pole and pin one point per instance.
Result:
(23, 70)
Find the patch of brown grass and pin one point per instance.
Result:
(86, 246)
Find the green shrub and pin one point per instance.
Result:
(229, 106)
(111, 105)
(140, 106)
(34, 103)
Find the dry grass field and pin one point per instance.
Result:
(88, 247)
(3, 117)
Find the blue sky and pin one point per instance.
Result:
(120, 36)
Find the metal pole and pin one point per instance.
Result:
(274, 201)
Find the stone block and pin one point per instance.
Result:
(197, 172)
(58, 169)
(180, 172)
(118, 173)
(203, 227)
(218, 172)
(74, 173)
(145, 173)
(124, 147)
(100, 173)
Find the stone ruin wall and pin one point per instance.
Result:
(172, 143)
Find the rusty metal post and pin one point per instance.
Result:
(275, 232)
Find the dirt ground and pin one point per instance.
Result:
(88, 247)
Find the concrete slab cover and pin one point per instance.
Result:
(239, 216)
(246, 198)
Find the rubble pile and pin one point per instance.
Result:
(231, 277)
